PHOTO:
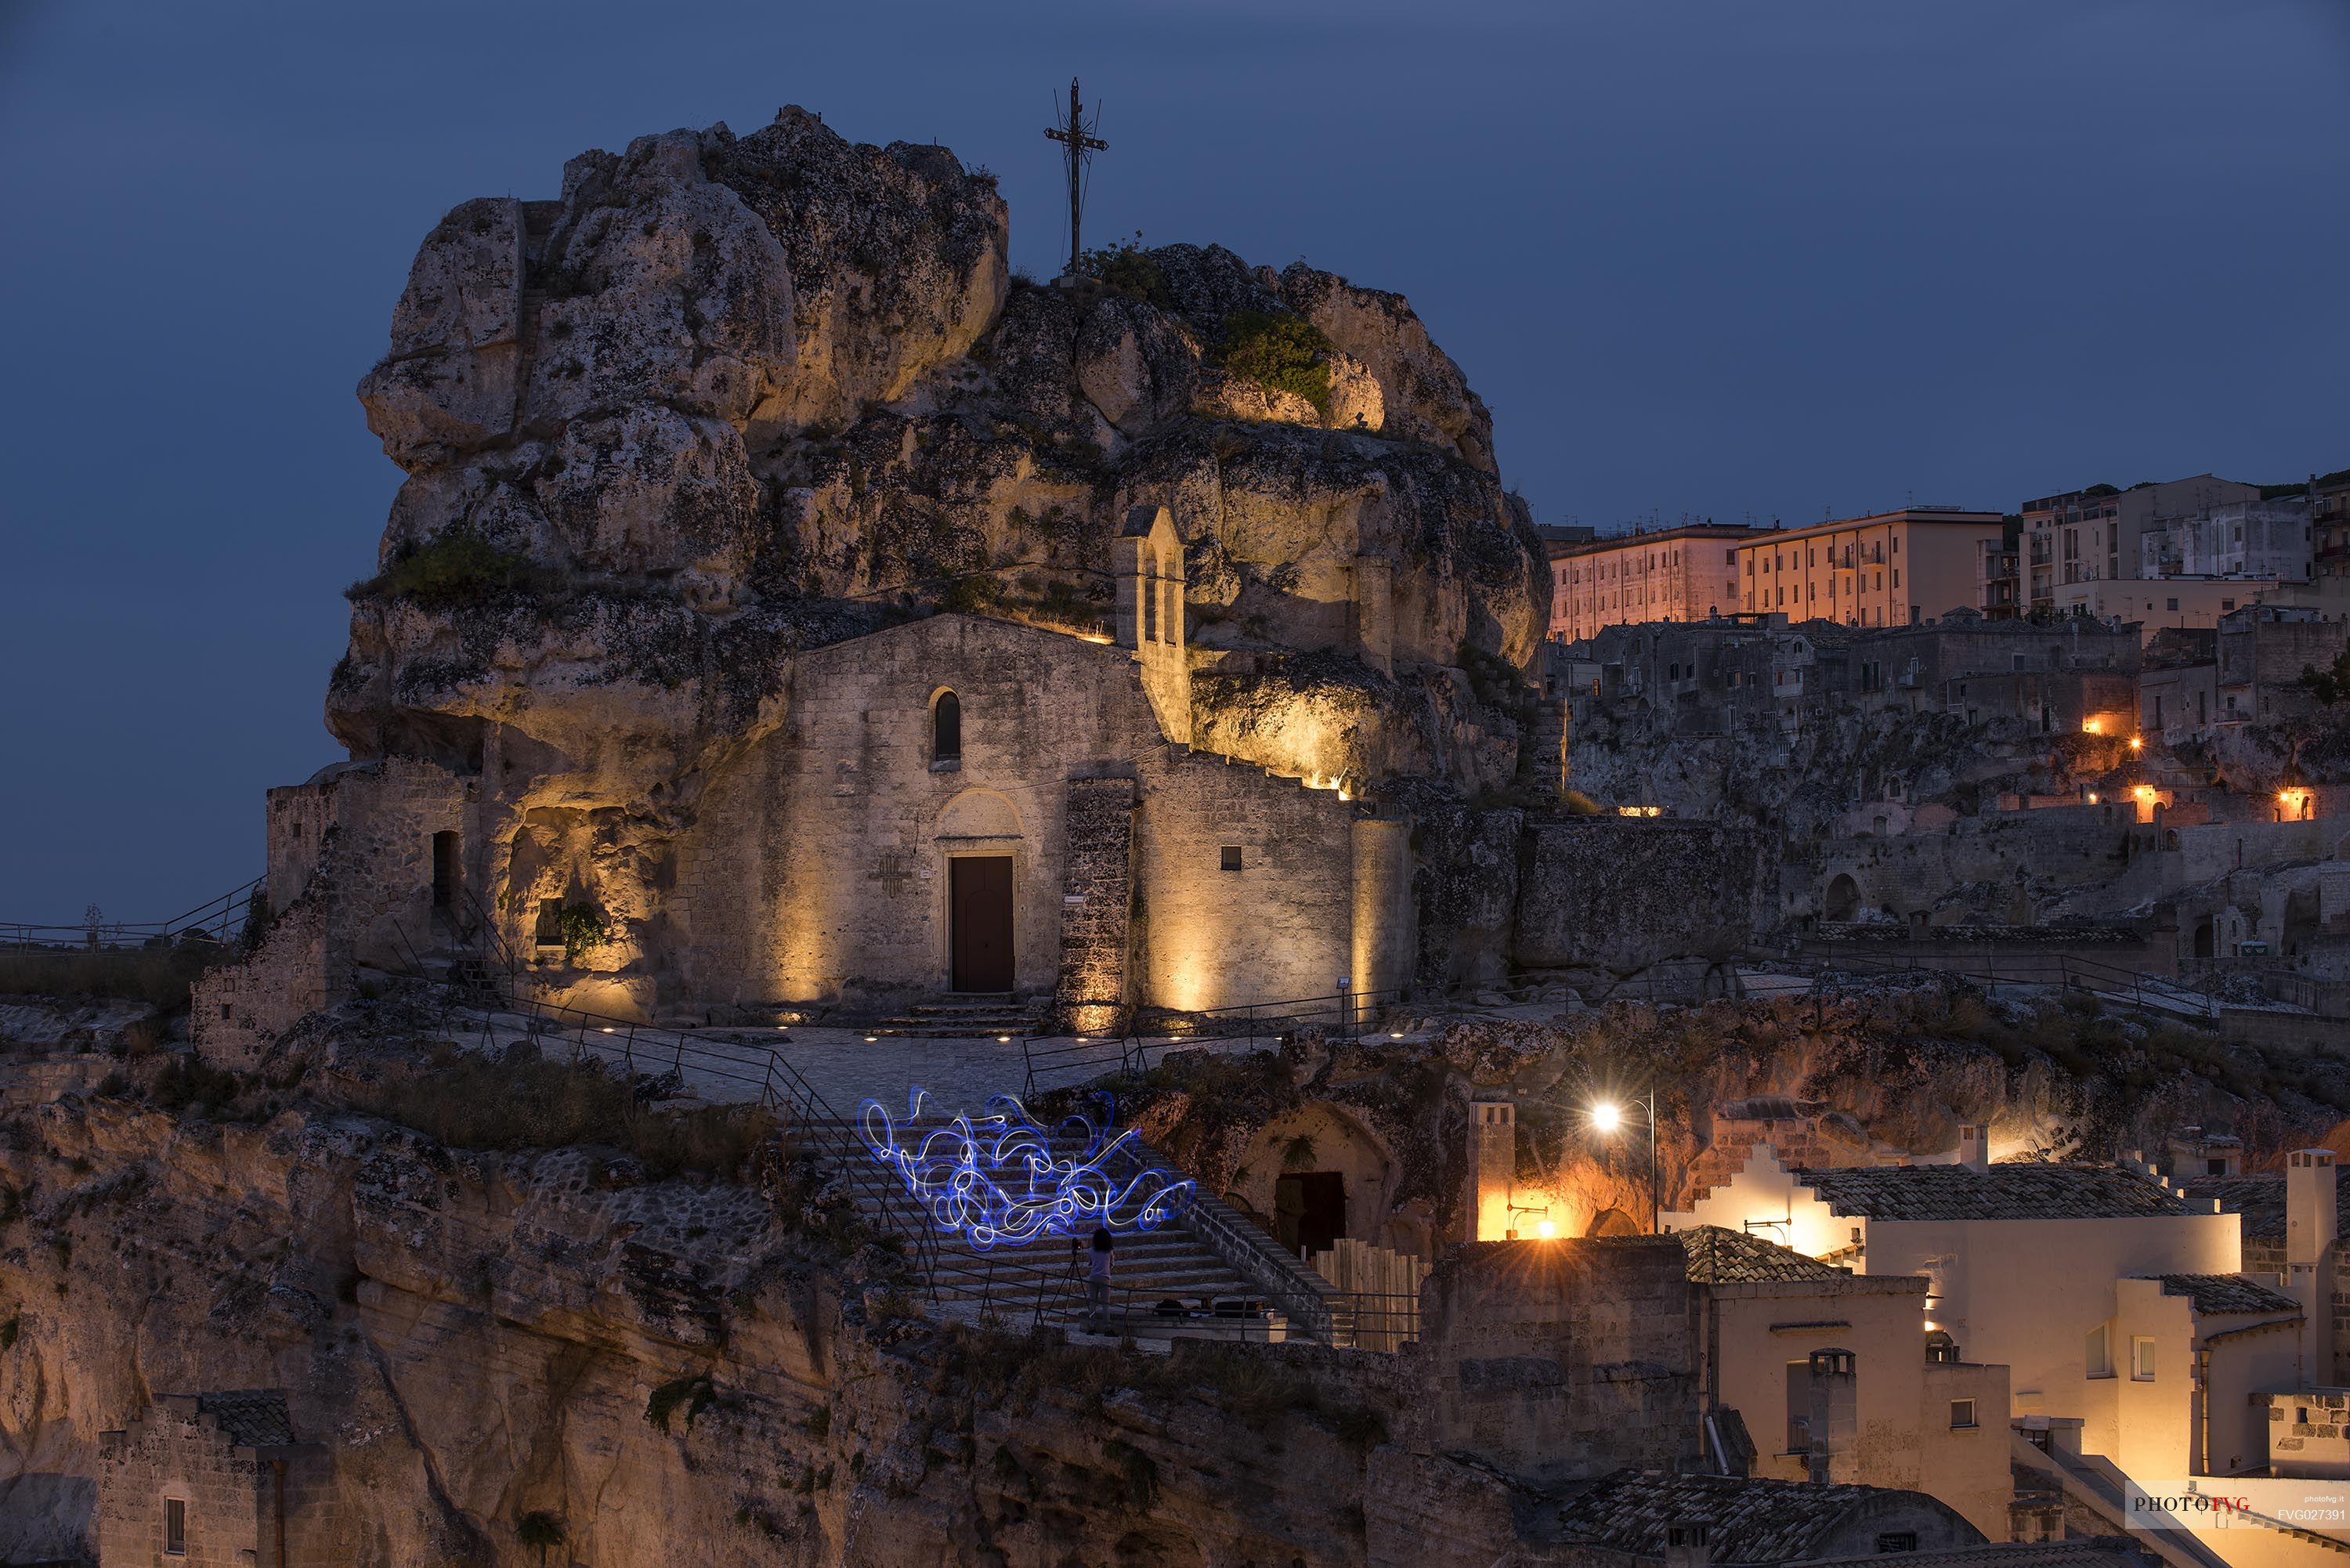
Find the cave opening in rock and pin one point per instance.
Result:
(1309, 1209)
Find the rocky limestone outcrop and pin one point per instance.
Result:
(670, 1371)
(731, 389)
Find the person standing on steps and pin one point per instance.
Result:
(1097, 1264)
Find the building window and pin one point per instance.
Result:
(2096, 1356)
(1232, 856)
(2170, 604)
(2142, 1359)
(1962, 1413)
(175, 1527)
(946, 729)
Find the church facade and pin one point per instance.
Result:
(955, 804)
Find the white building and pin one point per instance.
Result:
(2247, 539)
(2116, 1301)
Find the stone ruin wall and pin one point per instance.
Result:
(232, 1493)
(366, 834)
(1619, 894)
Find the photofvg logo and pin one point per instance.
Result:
(2201, 1503)
(2181, 1506)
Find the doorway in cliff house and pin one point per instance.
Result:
(1843, 897)
(979, 922)
(1309, 1211)
(444, 876)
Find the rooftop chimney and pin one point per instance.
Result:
(1685, 1545)
(2309, 1213)
(2308, 1232)
(1492, 1168)
(1974, 1145)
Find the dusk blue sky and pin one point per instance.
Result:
(1777, 260)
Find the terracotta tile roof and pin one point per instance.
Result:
(1748, 1521)
(2225, 1293)
(1718, 1256)
(2021, 1191)
(253, 1418)
(2261, 1200)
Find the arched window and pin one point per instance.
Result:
(946, 729)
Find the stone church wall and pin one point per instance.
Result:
(817, 866)
(1097, 906)
(1278, 928)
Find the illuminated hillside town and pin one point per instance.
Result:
(1026, 917)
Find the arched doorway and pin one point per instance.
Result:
(2203, 938)
(979, 835)
(1843, 901)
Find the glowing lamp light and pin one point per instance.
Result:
(2137, 744)
(607, 1029)
(1546, 1230)
(1003, 1040)
(2093, 798)
(870, 1039)
(1607, 1116)
(2143, 792)
(2093, 726)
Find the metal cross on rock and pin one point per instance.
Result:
(1078, 144)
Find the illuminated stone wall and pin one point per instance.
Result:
(1097, 905)
(816, 867)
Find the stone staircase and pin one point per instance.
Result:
(965, 1017)
(1166, 1283)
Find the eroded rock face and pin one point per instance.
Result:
(672, 1370)
(1424, 395)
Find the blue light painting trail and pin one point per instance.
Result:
(995, 1179)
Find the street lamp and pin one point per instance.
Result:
(1607, 1117)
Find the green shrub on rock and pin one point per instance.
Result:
(1279, 353)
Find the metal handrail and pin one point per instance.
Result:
(2065, 970)
(221, 919)
(1131, 1051)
